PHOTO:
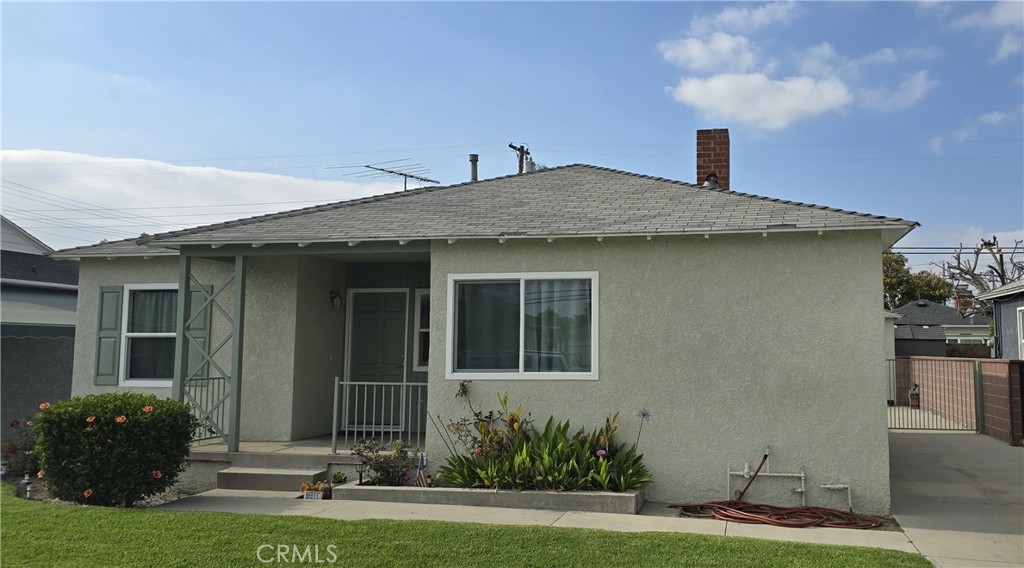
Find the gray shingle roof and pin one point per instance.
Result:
(37, 268)
(927, 312)
(567, 201)
(934, 332)
(1015, 287)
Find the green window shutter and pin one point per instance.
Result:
(201, 333)
(108, 336)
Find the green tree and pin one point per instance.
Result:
(900, 285)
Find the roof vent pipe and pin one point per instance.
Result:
(711, 181)
(473, 159)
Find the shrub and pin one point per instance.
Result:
(114, 448)
(20, 455)
(389, 465)
(507, 452)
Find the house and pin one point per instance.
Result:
(922, 317)
(743, 322)
(37, 325)
(1008, 319)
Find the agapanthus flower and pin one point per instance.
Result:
(644, 414)
(601, 453)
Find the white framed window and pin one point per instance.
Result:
(148, 334)
(539, 325)
(421, 331)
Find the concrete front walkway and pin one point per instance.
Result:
(959, 497)
(654, 517)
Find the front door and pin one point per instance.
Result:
(376, 361)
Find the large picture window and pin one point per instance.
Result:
(532, 325)
(149, 332)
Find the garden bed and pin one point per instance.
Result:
(625, 502)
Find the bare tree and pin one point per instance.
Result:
(988, 266)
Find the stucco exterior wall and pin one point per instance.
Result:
(735, 343)
(889, 336)
(319, 346)
(269, 352)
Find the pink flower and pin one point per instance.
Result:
(40, 474)
(478, 451)
(90, 419)
(121, 419)
(157, 474)
(147, 409)
(601, 453)
(584, 436)
(87, 493)
(44, 406)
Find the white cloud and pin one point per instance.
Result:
(995, 118)
(1010, 44)
(819, 60)
(116, 184)
(742, 20)
(720, 52)
(760, 101)
(910, 92)
(1007, 14)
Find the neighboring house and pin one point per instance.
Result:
(1008, 315)
(921, 340)
(37, 325)
(581, 291)
(956, 328)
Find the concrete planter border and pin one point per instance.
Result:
(626, 502)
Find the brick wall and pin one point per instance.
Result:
(946, 386)
(713, 155)
(1001, 388)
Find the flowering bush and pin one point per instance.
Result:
(114, 448)
(505, 451)
(20, 455)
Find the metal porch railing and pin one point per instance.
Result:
(386, 411)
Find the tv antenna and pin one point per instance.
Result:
(404, 168)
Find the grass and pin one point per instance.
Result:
(35, 534)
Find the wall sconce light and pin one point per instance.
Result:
(335, 298)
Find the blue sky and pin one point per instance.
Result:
(911, 110)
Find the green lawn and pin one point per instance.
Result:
(34, 534)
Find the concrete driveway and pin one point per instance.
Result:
(959, 497)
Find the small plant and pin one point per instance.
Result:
(20, 455)
(113, 448)
(389, 465)
(339, 477)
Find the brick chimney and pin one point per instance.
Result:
(713, 155)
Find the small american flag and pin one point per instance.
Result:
(421, 470)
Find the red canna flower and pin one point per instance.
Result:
(90, 419)
(87, 493)
(121, 419)
(157, 474)
(44, 406)
(147, 409)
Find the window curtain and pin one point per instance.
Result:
(487, 326)
(557, 332)
(152, 311)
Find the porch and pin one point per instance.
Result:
(283, 352)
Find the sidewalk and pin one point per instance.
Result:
(654, 517)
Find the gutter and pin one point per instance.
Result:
(37, 284)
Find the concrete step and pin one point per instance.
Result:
(275, 460)
(266, 479)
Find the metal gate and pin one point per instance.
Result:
(935, 394)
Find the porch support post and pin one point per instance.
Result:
(181, 349)
(234, 417)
